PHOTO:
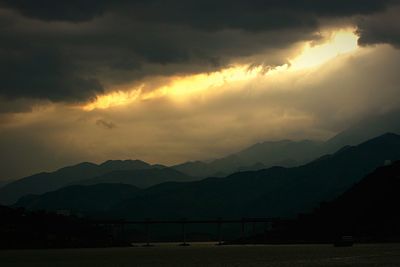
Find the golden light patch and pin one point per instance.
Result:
(185, 86)
(178, 87)
(181, 87)
(113, 99)
(340, 42)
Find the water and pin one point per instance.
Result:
(165, 255)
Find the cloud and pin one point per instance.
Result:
(58, 11)
(55, 54)
(207, 14)
(65, 62)
(44, 74)
(71, 51)
(381, 28)
(105, 124)
(312, 103)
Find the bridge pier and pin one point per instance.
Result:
(266, 228)
(184, 244)
(147, 226)
(242, 233)
(219, 232)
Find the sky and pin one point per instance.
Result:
(172, 81)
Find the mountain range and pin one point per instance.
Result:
(370, 208)
(374, 125)
(285, 153)
(88, 173)
(273, 192)
(368, 211)
(141, 178)
(288, 153)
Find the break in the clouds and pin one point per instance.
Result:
(310, 103)
(71, 51)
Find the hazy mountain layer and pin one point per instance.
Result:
(45, 182)
(140, 178)
(283, 153)
(271, 192)
(276, 192)
(365, 129)
(287, 153)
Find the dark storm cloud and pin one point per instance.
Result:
(381, 28)
(43, 74)
(58, 10)
(258, 14)
(35, 64)
(73, 50)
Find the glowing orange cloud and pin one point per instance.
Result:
(337, 43)
(340, 42)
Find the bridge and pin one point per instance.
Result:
(184, 222)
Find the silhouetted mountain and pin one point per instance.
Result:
(284, 153)
(140, 178)
(45, 182)
(369, 210)
(195, 168)
(288, 153)
(365, 130)
(259, 156)
(87, 200)
(3, 183)
(273, 192)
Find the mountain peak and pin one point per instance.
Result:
(111, 161)
(384, 138)
(129, 163)
(82, 165)
(389, 135)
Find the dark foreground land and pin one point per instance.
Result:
(210, 255)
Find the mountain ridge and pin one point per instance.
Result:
(141, 178)
(255, 157)
(48, 181)
(273, 192)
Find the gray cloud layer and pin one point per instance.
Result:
(74, 50)
(208, 14)
(381, 28)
